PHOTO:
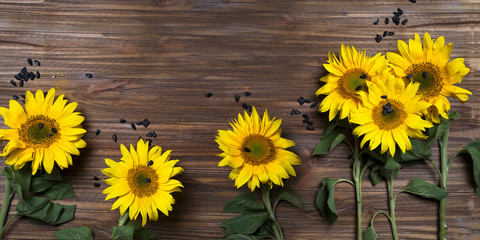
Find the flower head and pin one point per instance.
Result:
(142, 181)
(48, 131)
(430, 66)
(347, 77)
(391, 113)
(255, 151)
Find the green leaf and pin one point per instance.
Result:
(438, 130)
(294, 198)
(40, 184)
(424, 189)
(141, 232)
(245, 223)
(473, 149)
(330, 141)
(76, 233)
(241, 203)
(376, 174)
(391, 168)
(60, 190)
(370, 233)
(19, 180)
(325, 200)
(46, 211)
(420, 150)
(124, 232)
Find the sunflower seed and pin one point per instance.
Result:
(114, 137)
(21, 75)
(96, 184)
(425, 74)
(15, 97)
(387, 20)
(23, 96)
(149, 141)
(413, 1)
(305, 120)
(359, 87)
(150, 163)
(391, 33)
(400, 11)
(32, 76)
(149, 134)
(384, 112)
(384, 96)
(13, 83)
(95, 178)
(133, 126)
(409, 76)
(375, 22)
(301, 100)
(387, 106)
(29, 61)
(97, 132)
(250, 108)
(38, 74)
(208, 94)
(384, 35)
(146, 123)
(404, 21)
(308, 100)
(246, 149)
(313, 105)
(24, 70)
(305, 115)
(237, 98)
(297, 112)
(154, 134)
(123, 121)
(88, 75)
(139, 123)
(310, 128)
(389, 110)
(20, 83)
(247, 94)
(147, 180)
(23, 101)
(292, 112)
(54, 130)
(49, 135)
(17, 77)
(378, 38)
(245, 106)
(37, 63)
(364, 76)
(40, 125)
(309, 122)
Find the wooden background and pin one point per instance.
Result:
(156, 59)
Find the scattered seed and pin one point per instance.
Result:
(24, 70)
(37, 63)
(97, 132)
(308, 100)
(40, 125)
(425, 74)
(246, 149)
(297, 112)
(95, 178)
(20, 83)
(404, 21)
(305, 120)
(37, 75)
(384, 112)
(149, 134)
(123, 121)
(387, 21)
(305, 115)
(146, 123)
(21, 75)
(154, 134)
(96, 184)
(409, 76)
(29, 61)
(389, 110)
(247, 93)
(384, 96)
(49, 135)
(15, 97)
(114, 137)
(13, 83)
(149, 141)
(54, 130)
(17, 77)
(147, 180)
(391, 33)
(23, 96)
(301, 100)
(364, 76)
(245, 106)
(396, 20)
(375, 22)
(400, 11)
(309, 122)
(385, 33)
(139, 123)
(413, 1)
(133, 126)
(387, 106)
(249, 108)
(310, 128)
(237, 98)
(378, 38)
(292, 112)
(32, 76)
(359, 87)
(208, 94)
(150, 163)
(313, 105)
(88, 75)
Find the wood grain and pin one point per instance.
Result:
(156, 59)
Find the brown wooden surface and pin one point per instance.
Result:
(156, 59)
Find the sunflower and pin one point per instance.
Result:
(391, 113)
(347, 77)
(142, 181)
(429, 65)
(255, 151)
(45, 133)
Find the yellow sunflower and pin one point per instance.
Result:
(46, 132)
(391, 113)
(347, 77)
(255, 151)
(142, 181)
(429, 65)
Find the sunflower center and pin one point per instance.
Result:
(351, 82)
(429, 77)
(143, 181)
(39, 131)
(389, 114)
(258, 150)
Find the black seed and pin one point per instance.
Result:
(301, 100)
(38, 74)
(147, 180)
(310, 128)
(349, 156)
(139, 123)
(29, 61)
(396, 14)
(292, 112)
(387, 20)
(37, 63)
(237, 98)
(95, 178)
(133, 126)
(309, 122)
(114, 137)
(54, 130)
(245, 106)
(15, 97)
(308, 100)
(96, 184)
(32, 76)
(364, 76)
(385, 33)
(305, 115)
(150, 163)
(49, 135)
(250, 108)
(140, 137)
(40, 125)
(88, 75)
(23, 101)
(21, 75)
(413, 1)
(375, 22)
(305, 120)
(387, 106)
(400, 11)
(149, 141)
(297, 112)
(359, 87)
(17, 77)
(384, 112)
(154, 134)
(97, 132)
(146, 123)
(123, 121)
(23, 96)
(396, 20)
(20, 83)
(409, 76)
(425, 74)
(246, 149)
(247, 93)
(384, 96)
(13, 83)
(378, 38)
(389, 110)
(24, 70)
(391, 33)
(404, 21)
(149, 134)
(313, 104)
(208, 94)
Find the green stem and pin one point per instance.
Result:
(357, 179)
(442, 233)
(277, 230)
(7, 199)
(391, 204)
(8, 222)
(123, 219)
